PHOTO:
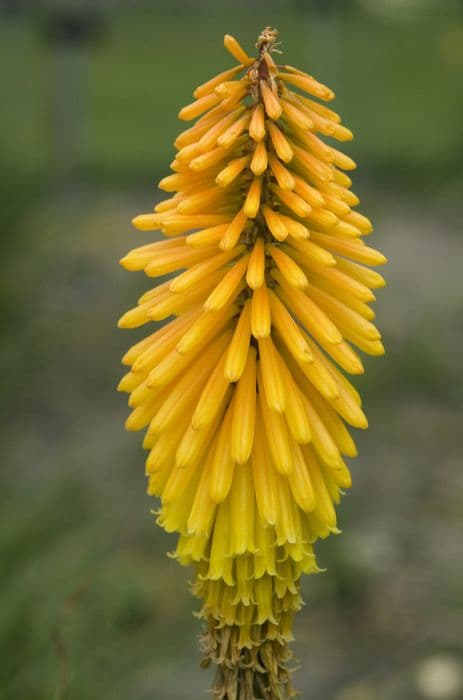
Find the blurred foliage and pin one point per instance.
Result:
(142, 65)
(91, 606)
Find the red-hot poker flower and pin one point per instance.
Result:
(240, 390)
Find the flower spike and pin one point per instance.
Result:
(244, 406)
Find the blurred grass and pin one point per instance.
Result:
(405, 107)
(91, 607)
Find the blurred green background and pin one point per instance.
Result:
(91, 608)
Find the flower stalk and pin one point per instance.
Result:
(243, 391)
